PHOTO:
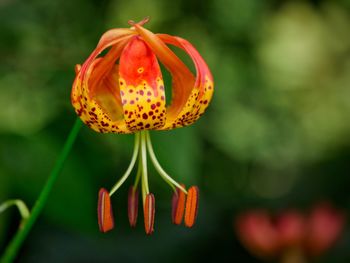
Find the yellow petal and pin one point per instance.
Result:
(183, 79)
(191, 96)
(108, 39)
(141, 87)
(91, 111)
(95, 92)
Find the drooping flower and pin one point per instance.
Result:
(123, 92)
(291, 236)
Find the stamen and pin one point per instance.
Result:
(143, 153)
(178, 206)
(139, 171)
(148, 212)
(104, 211)
(191, 206)
(159, 169)
(133, 204)
(131, 165)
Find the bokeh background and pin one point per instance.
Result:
(276, 134)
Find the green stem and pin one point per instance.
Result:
(21, 206)
(16, 242)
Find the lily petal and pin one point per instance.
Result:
(110, 38)
(141, 87)
(183, 79)
(95, 93)
(202, 91)
(89, 109)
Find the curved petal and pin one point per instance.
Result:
(90, 109)
(95, 93)
(110, 38)
(190, 96)
(141, 87)
(203, 88)
(183, 79)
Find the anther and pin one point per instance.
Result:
(133, 203)
(104, 211)
(191, 206)
(148, 212)
(178, 206)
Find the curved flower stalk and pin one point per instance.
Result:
(21, 206)
(123, 92)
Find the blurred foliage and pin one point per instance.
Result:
(276, 134)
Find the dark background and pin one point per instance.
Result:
(276, 134)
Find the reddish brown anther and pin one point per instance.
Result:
(104, 211)
(178, 206)
(148, 212)
(191, 206)
(133, 203)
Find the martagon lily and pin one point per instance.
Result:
(123, 92)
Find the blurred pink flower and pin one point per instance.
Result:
(325, 225)
(291, 228)
(257, 233)
(268, 236)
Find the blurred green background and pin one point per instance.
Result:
(276, 134)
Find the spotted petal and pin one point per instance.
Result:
(95, 93)
(202, 91)
(191, 95)
(141, 87)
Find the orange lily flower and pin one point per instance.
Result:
(123, 92)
